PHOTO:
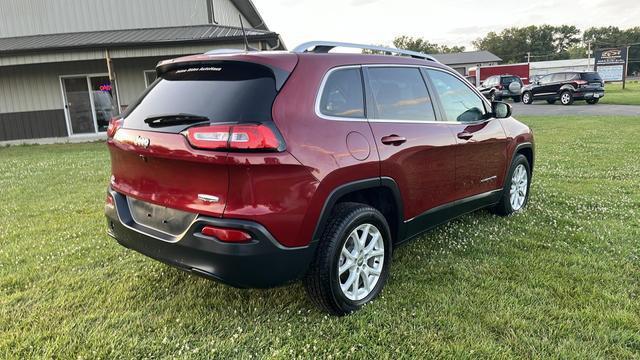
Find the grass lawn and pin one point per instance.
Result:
(615, 95)
(561, 280)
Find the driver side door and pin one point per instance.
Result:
(481, 145)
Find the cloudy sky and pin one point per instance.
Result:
(451, 22)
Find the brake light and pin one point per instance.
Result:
(581, 82)
(234, 137)
(114, 124)
(226, 235)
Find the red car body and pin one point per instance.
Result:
(283, 198)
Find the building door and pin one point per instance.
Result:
(89, 102)
(78, 105)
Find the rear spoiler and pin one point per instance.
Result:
(163, 67)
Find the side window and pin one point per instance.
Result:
(342, 95)
(400, 94)
(545, 79)
(559, 77)
(459, 102)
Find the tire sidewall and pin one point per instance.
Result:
(520, 159)
(340, 299)
(527, 98)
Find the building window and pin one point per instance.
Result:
(149, 77)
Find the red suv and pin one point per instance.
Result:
(257, 169)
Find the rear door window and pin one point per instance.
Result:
(400, 93)
(559, 77)
(222, 92)
(342, 94)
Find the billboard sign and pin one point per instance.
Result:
(611, 64)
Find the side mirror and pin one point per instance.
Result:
(501, 110)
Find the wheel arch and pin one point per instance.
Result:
(525, 149)
(381, 193)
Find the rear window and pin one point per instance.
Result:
(591, 76)
(221, 92)
(506, 80)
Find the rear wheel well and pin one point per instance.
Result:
(380, 198)
(528, 153)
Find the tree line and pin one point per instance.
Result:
(540, 43)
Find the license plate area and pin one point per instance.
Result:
(160, 218)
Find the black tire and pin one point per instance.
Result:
(566, 97)
(322, 281)
(551, 101)
(516, 99)
(592, 101)
(504, 207)
(527, 97)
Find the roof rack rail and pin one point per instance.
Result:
(326, 46)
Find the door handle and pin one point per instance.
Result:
(465, 135)
(394, 140)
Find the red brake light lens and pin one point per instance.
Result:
(238, 137)
(226, 235)
(114, 124)
(582, 82)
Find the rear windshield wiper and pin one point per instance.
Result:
(174, 119)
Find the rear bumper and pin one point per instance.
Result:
(261, 263)
(588, 94)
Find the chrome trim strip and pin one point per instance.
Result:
(489, 179)
(208, 198)
(304, 47)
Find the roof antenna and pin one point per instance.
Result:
(244, 34)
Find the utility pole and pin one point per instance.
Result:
(589, 55)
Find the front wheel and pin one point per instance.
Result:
(352, 261)
(527, 98)
(593, 101)
(566, 97)
(515, 193)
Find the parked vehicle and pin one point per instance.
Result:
(501, 87)
(566, 87)
(260, 168)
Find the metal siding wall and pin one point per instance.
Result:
(31, 17)
(37, 87)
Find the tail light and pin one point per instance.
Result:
(226, 235)
(114, 124)
(234, 137)
(581, 83)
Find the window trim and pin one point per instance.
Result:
(435, 98)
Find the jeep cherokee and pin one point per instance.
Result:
(260, 168)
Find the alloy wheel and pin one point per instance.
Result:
(361, 262)
(519, 186)
(565, 98)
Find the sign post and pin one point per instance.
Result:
(612, 64)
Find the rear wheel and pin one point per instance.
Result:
(527, 98)
(566, 97)
(593, 101)
(551, 101)
(515, 193)
(352, 261)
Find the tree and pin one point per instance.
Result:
(424, 46)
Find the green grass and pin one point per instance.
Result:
(614, 94)
(561, 280)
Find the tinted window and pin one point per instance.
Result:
(545, 79)
(460, 103)
(591, 76)
(222, 92)
(506, 80)
(342, 95)
(572, 76)
(558, 77)
(400, 94)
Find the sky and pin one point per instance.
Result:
(449, 22)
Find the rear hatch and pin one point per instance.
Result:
(507, 81)
(155, 156)
(593, 79)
